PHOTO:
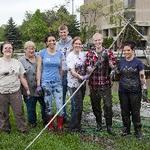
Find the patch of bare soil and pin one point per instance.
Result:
(104, 142)
(88, 120)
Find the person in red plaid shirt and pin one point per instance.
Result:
(103, 61)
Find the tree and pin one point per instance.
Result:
(34, 27)
(2, 28)
(96, 11)
(132, 37)
(12, 34)
(107, 42)
(62, 16)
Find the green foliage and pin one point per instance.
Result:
(131, 34)
(39, 46)
(34, 27)
(74, 141)
(86, 32)
(62, 16)
(2, 28)
(107, 42)
(93, 12)
(12, 34)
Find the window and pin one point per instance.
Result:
(143, 30)
(129, 4)
(129, 15)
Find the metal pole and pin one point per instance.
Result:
(128, 22)
(72, 7)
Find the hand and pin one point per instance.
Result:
(85, 77)
(97, 64)
(143, 81)
(28, 92)
(39, 90)
(89, 69)
(112, 75)
(144, 87)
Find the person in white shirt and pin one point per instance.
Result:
(76, 74)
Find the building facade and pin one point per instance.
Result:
(110, 17)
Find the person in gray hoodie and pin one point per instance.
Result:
(64, 45)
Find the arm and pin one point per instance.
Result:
(61, 70)
(38, 73)
(24, 83)
(142, 77)
(75, 74)
(112, 60)
(89, 62)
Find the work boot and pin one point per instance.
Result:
(60, 120)
(125, 131)
(138, 134)
(51, 125)
(109, 130)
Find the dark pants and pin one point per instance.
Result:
(96, 95)
(76, 107)
(31, 108)
(15, 100)
(65, 88)
(130, 106)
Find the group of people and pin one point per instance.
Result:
(62, 66)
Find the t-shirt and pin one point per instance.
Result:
(51, 65)
(129, 75)
(76, 62)
(9, 75)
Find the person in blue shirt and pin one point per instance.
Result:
(132, 78)
(49, 76)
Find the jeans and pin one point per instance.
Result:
(96, 95)
(53, 89)
(76, 107)
(64, 84)
(31, 108)
(130, 104)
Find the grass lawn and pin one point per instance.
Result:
(90, 140)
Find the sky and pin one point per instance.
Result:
(17, 8)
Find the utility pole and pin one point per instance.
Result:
(72, 7)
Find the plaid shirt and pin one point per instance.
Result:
(105, 61)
